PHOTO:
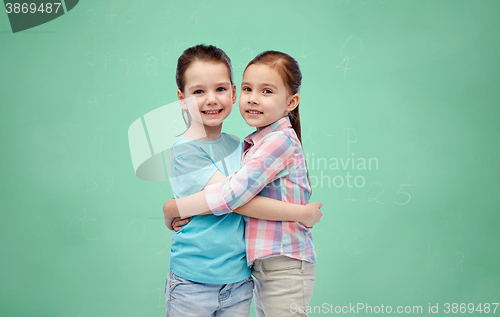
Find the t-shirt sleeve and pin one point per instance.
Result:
(264, 165)
(191, 169)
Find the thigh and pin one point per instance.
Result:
(236, 299)
(185, 298)
(285, 291)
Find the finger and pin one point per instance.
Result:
(178, 224)
(181, 222)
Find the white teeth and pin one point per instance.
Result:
(253, 111)
(211, 111)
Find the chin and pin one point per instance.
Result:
(214, 124)
(249, 122)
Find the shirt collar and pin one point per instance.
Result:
(280, 125)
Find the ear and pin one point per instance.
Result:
(234, 94)
(293, 103)
(180, 96)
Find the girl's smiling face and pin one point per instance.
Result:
(210, 85)
(264, 97)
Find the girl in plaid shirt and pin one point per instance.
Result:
(282, 253)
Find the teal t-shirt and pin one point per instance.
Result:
(209, 249)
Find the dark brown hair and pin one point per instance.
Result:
(202, 53)
(289, 71)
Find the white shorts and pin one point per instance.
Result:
(283, 286)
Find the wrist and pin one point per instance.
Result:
(304, 213)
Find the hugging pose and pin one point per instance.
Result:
(247, 202)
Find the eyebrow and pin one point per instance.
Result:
(203, 86)
(264, 84)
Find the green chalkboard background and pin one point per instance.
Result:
(411, 87)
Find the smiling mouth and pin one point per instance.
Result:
(253, 112)
(212, 111)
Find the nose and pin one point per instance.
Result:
(252, 99)
(211, 99)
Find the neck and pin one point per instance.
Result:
(202, 132)
(260, 128)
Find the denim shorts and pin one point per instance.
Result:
(185, 298)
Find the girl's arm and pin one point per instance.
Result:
(272, 209)
(273, 155)
(259, 207)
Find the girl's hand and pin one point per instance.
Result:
(312, 215)
(171, 215)
(177, 223)
(168, 222)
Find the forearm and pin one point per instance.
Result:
(272, 209)
(186, 206)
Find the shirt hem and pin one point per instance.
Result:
(196, 279)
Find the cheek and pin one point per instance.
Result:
(196, 99)
(195, 104)
(226, 99)
(199, 104)
(243, 101)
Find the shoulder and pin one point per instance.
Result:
(186, 144)
(190, 166)
(188, 149)
(273, 146)
(282, 144)
(280, 138)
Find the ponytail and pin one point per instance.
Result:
(295, 121)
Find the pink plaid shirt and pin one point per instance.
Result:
(273, 166)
